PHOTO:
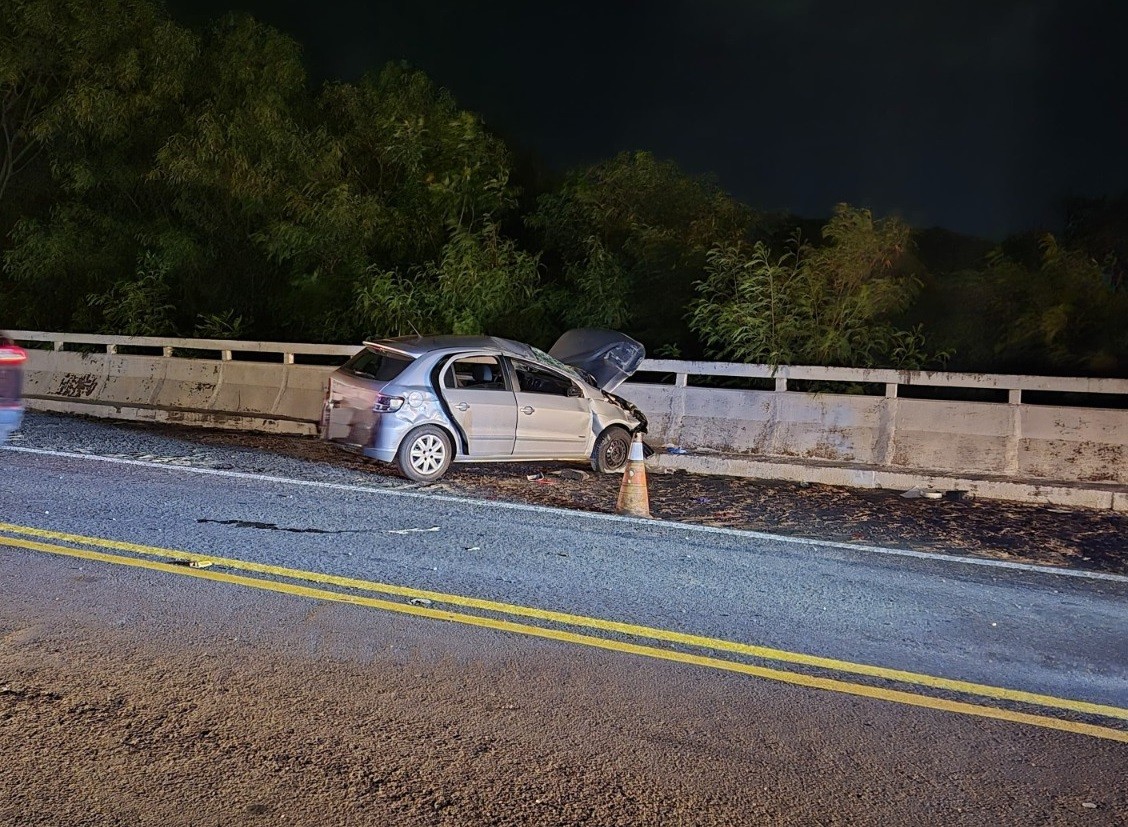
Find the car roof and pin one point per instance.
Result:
(419, 345)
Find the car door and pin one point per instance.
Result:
(482, 404)
(553, 415)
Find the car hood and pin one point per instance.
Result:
(608, 356)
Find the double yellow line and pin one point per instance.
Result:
(141, 556)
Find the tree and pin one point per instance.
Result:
(626, 239)
(98, 68)
(100, 86)
(826, 305)
(406, 173)
(481, 284)
(1061, 314)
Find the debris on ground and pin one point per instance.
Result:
(916, 493)
(572, 474)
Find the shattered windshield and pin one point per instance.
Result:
(575, 373)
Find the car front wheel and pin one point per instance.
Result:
(612, 450)
(425, 454)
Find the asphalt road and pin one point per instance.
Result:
(812, 657)
(1031, 630)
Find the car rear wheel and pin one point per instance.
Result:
(612, 450)
(425, 454)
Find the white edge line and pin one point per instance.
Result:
(592, 515)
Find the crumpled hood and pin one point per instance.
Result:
(608, 356)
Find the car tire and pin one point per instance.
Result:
(612, 450)
(425, 454)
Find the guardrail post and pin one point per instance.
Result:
(1014, 438)
(885, 441)
(781, 383)
(166, 352)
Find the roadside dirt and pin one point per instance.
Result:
(228, 709)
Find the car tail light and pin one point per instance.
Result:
(12, 355)
(387, 404)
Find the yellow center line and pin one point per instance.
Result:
(797, 679)
(698, 641)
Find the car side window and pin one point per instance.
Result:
(533, 379)
(475, 373)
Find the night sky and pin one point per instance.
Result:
(975, 115)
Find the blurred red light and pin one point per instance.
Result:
(12, 355)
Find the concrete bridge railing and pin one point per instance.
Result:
(1050, 439)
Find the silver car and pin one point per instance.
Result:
(423, 402)
(12, 358)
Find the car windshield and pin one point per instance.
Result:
(380, 365)
(575, 373)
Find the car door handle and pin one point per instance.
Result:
(463, 406)
(527, 409)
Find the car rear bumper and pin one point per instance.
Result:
(384, 434)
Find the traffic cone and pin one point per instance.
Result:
(633, 499)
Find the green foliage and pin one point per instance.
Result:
(155, 180)
(479, 284)
(482, 280)
(825, 305)
(386, 304)
(1061, 314)
(138, 306)
(212, 157)
(626, 239)
(749, 304)
(107, 79)
(597, 292)
(74, 71)
(224, 325)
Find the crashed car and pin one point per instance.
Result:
(423, 402)
(12, 358)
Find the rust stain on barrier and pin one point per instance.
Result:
(75, 385)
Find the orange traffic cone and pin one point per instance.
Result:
(633, 499)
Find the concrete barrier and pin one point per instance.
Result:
(191, 381)
(1009, 438)
(1060, 453)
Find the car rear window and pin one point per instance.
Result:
(380, 365)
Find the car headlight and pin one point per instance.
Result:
(387, 404)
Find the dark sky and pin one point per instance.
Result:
(976, 115)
